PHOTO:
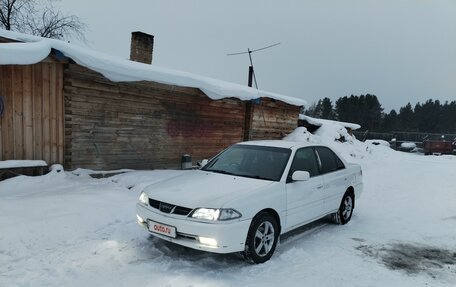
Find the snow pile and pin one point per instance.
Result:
(115, 69)
(331, 134)
(336, 136)
(378, 142)
(319, 122)
(135, 181)
(300, 134)
(21, 163)
(408, 145)
(326, 133)
(20, 183)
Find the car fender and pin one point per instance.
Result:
(270, 197)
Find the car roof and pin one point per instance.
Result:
(277, 143)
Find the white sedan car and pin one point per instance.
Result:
(249, 194)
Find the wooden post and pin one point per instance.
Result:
(248, 116)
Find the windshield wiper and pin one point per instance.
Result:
(220, 171)
(243, 175)
(256, 176)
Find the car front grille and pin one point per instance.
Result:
(169, 208)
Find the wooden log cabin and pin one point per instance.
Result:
(62, 110)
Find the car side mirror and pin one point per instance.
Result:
(300, 175)
(202, 163)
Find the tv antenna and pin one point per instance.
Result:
(251, 70)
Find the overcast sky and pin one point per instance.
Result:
(400, 50)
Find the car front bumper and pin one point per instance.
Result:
(230, 236)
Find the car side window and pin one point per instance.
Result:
(329, 160)
(340, 164)
(304, 159)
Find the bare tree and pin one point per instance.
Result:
(9, 13)
(40, 18)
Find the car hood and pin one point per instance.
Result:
(203, 189)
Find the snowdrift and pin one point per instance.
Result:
(336, 136)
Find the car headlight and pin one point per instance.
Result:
(144, 199)
(215, 214)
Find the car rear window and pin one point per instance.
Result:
(329, 160)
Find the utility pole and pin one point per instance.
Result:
(250, 76)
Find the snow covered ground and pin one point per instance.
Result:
(64, 229)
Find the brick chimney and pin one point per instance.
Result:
(142, 46)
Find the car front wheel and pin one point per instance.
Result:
(262, 238)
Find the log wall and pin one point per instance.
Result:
(142, 125)
(271, 119)
(63, 113)
(31, 127)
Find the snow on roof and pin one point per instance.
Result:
(34, 49)
(319, 122)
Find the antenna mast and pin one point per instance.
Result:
(251, 70)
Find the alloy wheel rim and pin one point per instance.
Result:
(348, 207)
(264, 238)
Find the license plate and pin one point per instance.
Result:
(162, 229)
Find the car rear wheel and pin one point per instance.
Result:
(344, 214)
(262, 238)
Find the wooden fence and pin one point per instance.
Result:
(32, 124)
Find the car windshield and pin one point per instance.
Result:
(251, 161)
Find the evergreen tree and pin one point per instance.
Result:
(327, 110)
(448, 117)
(406, 118)
(427, 116)
(389, 121)
(365, 110)
(310, 111)
(373, 112)
(323, 109)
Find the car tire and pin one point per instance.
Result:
(345, 212)
(262, 238)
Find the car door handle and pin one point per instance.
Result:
(320, 187)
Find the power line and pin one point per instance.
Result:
(251, 70)
(256, 50)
